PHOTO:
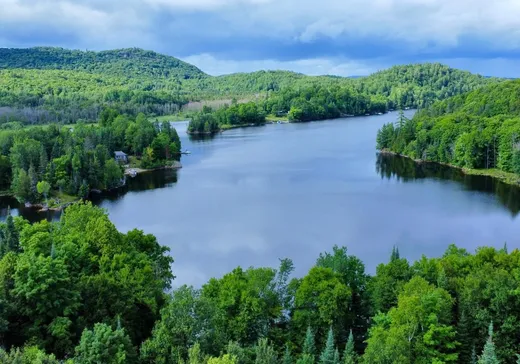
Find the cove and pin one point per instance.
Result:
(250, 196)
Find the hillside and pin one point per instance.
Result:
(39, 85)
(131, 62)
(477, 130)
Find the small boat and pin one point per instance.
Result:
(186, 152)
(132, 173)
(379, 113)
(279, 122)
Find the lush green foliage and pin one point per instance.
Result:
(80, 272)
(41, 85)
(79, 289)
(480, 129)
(74, 161)
(208, 121)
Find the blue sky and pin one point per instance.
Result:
(341, 37)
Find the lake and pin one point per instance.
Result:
(250, 196)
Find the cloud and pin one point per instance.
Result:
(314, 66)
(299, 34)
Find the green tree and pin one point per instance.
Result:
(349, 355)
(224, 359)
(113, 174)
(309, 346)
(26, 355)
(43, 188)
(287, 357)
(195, 355)
(21, 185)
(327, 355)
(321, 301)
(265, 354)
(102, 344)
(488, 355)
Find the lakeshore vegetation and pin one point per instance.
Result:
(479, 131)
(59, 162)
(43, 85)
(79, 291)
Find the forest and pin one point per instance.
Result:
(56, 162)
(476, 130)
(46, 85)
(79, 291)
(209, 121)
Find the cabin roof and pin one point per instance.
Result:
(119, 153)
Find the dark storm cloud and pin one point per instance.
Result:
(346, 36)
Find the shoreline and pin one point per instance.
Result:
(173, 165)
(504, 177)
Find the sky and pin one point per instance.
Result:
(339, 37)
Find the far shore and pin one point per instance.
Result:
(505, 177)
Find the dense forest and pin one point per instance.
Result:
(52, 161)
(209, 121)
(43, 85)
(79, 290)
(476, 130)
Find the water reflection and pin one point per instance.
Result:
(142, 182)
(406, 170)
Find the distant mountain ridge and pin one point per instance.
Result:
(118, 62)
(57, 84)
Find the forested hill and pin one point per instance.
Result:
(477, 130)
(42, 85)
(131, 62)
(421, 84)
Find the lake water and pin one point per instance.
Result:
(250, 196)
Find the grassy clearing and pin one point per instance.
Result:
(506, 177)
(172, 117)
(274, 118)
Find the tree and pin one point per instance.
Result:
(327, 355)
(287, 357)
(104, 345)
(195, 355)
(321, 301)
(349, 356)
(11, 239)
(43, 188)
(113, 174)
(417, 330)
(488, 353)
(309, 347)
(265, 354)
(26, 355)
(337, 357)
(224, 359)
(21, 185)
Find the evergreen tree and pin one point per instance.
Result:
(287, 357)
(265, 354)
(309, 347)
(337, 359)
(44, 160)
(395, 254)
(104, 345)
(349, 356)
(327, 355)
(11, 238)
(473, 355)
(489, 355)
(442, 280)
(464, 338)
(195, 354)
